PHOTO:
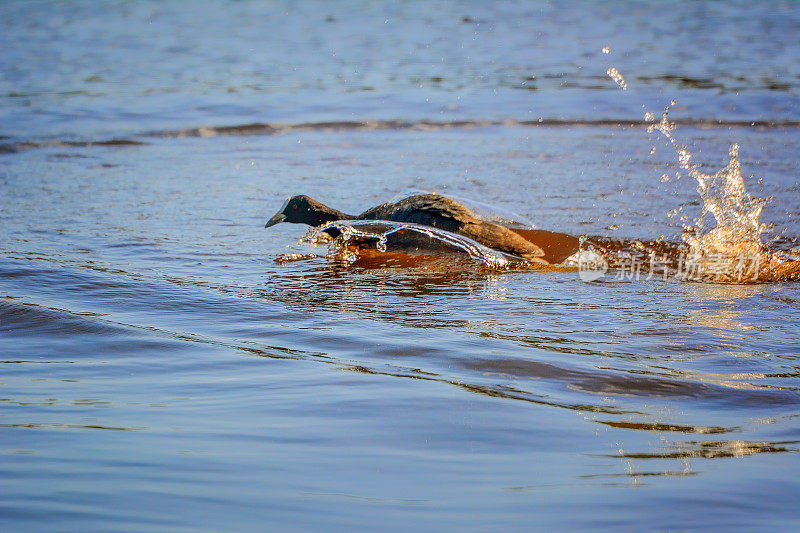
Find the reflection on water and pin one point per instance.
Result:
(716, 449)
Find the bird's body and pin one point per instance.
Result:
(447, 214)
(430, 209)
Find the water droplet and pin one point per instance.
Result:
(684, 156)
(615, 75)
(606, 50)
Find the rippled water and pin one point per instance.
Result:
(163, 369)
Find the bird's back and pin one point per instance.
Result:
(426, 209)
(447, 214)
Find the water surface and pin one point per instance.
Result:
(162, 372)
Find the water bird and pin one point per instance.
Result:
(440, 212)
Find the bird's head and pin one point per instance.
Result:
(301, 210)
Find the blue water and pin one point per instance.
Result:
(163, 372)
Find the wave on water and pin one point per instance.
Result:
(263, 128)
(346, 237)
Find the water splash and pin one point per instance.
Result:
(738, 229)
(736, 235)
(345, 236)
(732, 249)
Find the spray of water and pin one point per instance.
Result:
(408, 238)
(615, 75)
(736, 212)
(729, 244)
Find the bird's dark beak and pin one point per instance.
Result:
(277, 219)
